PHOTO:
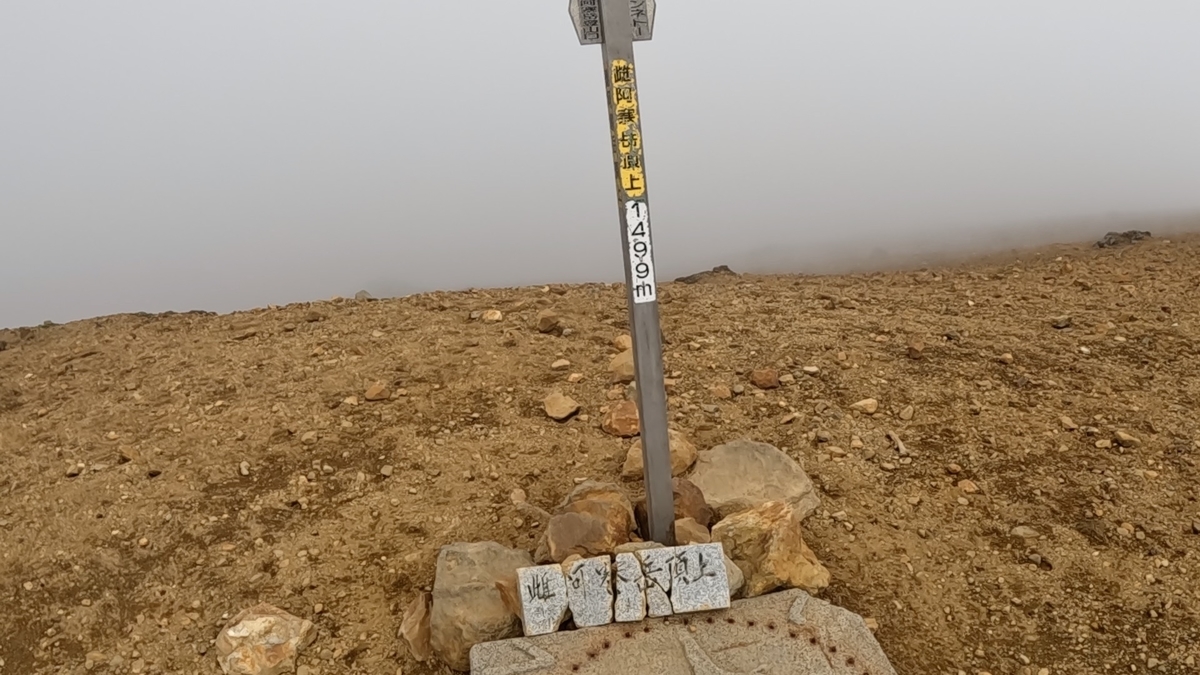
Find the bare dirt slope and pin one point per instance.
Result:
(141, 555)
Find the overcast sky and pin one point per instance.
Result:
(224, 155)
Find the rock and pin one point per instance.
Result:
(593, 520)
(689, 503)
(623, 342)
(1127, 440)
(734, 577)
(744, 474)
(575, 378)
(787, 378)
(363, 296)
(1061, 322)
(387, 470)
(415, 627)
(309, 438)
(1024, 532)
(683, 456)
(547, 321)
(766, 542)
(907, 413)
(811, 370)
(560, 407)
(590, 591)
(721, 391)
(492, 316)
(968, 487)
(1120, 238)
(765, 378)
(700, 582)
(1006, 359)
(1196, 527)
(543, 598)
(1068, 423)
(867, 405)
(561, 364)
(377, 392)
(621, 367)
(688, 531)
(630, 602)
(622, 420)
(467, 607)
(916, 349)
(635, 546)
(263, 640)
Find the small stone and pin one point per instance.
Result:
(1068, 424)
(244, 468)
(867, 405)
(787, 378)
(1024, 532)
(377, 392)
(968, 486)
(916, 349)
(548, 321)
(1061, 322)
(387, 470)
(1127, 440)
(856, 443)
(683, 456)
(263, 640)
(1104, 444)
(561, 364)
(492, 316)
(688, 531)
(907, 413)
(143, 542)
(1006, 359)
(309, 438)
(543, 598)
(700, 582)
(765, 378)
(590, 592)
(1196, 527)
(630, 603)
(415, 626)
(721, 392)
(812, 370)
(621, 367)
(953, 469)
(518, 496)
(363, 296)
(623, 342)
(622, 420)
(128, 454)
(560, 407)
(575, 378)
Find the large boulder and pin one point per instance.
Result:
(744, 474)
(467, 606)
(683, 455)
(263, 640)
(767, 544)
(593, 520)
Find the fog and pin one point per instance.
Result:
(225, 155)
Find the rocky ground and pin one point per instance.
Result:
(160, 473)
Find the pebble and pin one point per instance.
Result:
(575, 378)
(387, 471)
(953, 469)
(1061, 322)
(244, 468)
(812, 370)
(1127, 440)
(968, 487)
(1068, 423)
(867, 405)
(1007, 359)
(907, 413)
(856, 443)
(1024, 532)
(377, 392)
(561, 364)
(309, 438)
(1104, 444)
(492, 316)
(964, 501)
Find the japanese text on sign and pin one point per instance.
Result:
(641, 260)
(589, 21)
(642, 19)
(627, 132)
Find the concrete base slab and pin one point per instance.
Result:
(789, 632)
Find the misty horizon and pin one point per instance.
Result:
(232, 156)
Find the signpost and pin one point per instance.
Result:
(615, 25)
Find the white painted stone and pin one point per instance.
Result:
(656, 565)
(699, 582)
(631, 589)
(543, 598)
(590, 592)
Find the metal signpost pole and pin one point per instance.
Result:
(616, 24)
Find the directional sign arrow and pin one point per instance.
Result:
(585, 14)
